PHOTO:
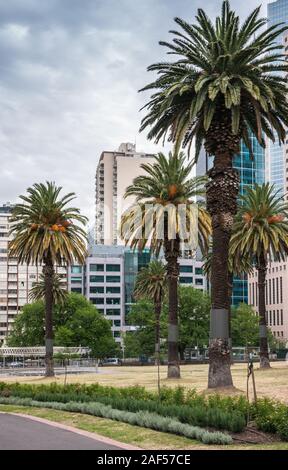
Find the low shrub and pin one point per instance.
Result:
(140, 418)
(172, 404)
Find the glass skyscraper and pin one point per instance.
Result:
(277, 12)
(251, 171)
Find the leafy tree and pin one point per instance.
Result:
(194, 310)
(261, 231)
(88, 328)
(142, 340)
(46, 231)
(225, 83)
(29, 326)
(194, 315)
(76, 323)
(167, 184)
(151, 283)
(245, 327)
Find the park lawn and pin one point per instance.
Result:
(271, 383)
(128, 434)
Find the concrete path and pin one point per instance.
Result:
(20, 432)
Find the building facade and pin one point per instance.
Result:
(276, 297)
(16, 279)
(115, 171)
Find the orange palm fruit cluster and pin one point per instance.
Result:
(247, 217)
(275, 218)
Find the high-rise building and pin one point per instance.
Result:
(115, 171)
(277, 12)
(16, 279)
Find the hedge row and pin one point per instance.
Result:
(197, 414)
(140, 418)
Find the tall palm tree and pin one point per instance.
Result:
(166, 214)
(260, 231)
(225, 83)
(151, 283)
(37, 292)
(46, 231)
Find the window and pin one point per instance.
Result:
(99, 301)
(77, 290)
(112, 301)
(116, 334)
(199, 282)
(198, 271)
(76, 269)
(281, 317)
(100, 310)
(113, 311)
(186, 280)
(281, 290)
(76, 280)
(96, 278)
(112, 290)
(113, 267)
(117, 323)
(277, 317)
(96, 290)
(112, 278)
(96, 267)
(186, 269)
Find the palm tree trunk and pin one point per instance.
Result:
(230, 291)
(222, 192)
(172, 250)
(264, 354)
(48, 271)
(158, 307)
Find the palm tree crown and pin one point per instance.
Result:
(151, 281)
(59, 287)
(167, 183)
(261, 226)
(44, 225)
(226, 82)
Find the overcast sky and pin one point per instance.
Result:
(69, 75)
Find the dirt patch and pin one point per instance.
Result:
(251, 435)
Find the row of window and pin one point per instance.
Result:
(108, 301)
(274, 317)
(101, 279)
(100, 267)
(189, 280)
(273, 291)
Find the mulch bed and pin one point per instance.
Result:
(251, 435)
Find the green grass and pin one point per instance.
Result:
(126, 433)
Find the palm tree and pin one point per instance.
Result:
(260, 231)
(166, 214)
(151, 283)
(225, 83)
(46, 232)
(37, 292)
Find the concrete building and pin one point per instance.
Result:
(16, 280)
(115, 171)
(276, 296)
(108, 278)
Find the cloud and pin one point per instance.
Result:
(69, 75)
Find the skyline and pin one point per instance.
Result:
(70, 72)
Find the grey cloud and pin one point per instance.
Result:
(69, 75)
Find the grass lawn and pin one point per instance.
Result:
(271, 383)
(126, 433)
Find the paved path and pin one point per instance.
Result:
(24, 433)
